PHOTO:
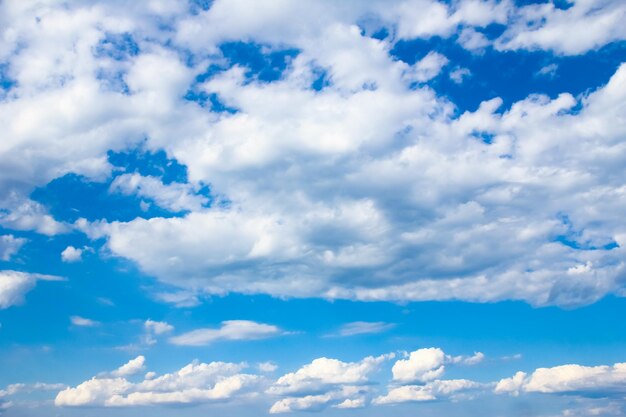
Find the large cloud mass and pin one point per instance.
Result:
(369, 186)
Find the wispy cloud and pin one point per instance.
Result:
(229, 330)
(362, 327)
(83, 322)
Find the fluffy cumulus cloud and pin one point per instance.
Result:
(14, 285)
(9, 246)
(603, 380)
(357, 182)
(130, 368)
(431, 391)
(154, 329)
(192, 384)
(418, 378)
(325, 383)
(71, 254)
(587, 24)
(421, 365)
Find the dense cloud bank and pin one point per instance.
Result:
(339, 173)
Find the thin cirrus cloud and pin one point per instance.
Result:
(363, 327)
(83, 322)
(229, 330)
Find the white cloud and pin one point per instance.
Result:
(548, 70)
(229, 330)
(472, 40)
(132, 367)
(418, 378)
(458, 75)
(174, 197)
(327, 190)
(347, 396)
(335, 383)
(158, 327)
(421, 365)
(267, 366)
(14, 389)
(71, 254)
(83, 322)
(326, 371)
(364, 327)
(489, 194)
(14, 285)
(29, 215)
(155, 328)
(179, 298)
(573, 379)
(431, 391)
(475, 359)
(427, 68)
(585, 26)
(194, 383)
(512, 385)
(9, 246)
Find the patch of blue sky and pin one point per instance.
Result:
(559, 4)
(198, 6)
(149, 163)
(512, 75)
(262, 62)
(573, 237)
(211, 101)
(71, 197)
(6, 82)
(117, 46)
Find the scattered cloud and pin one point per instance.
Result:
(267, 366)
(548, 70)
(14, 389)
(174, 197)
(604, 380)
(335, 383)
(427, 68)
(83, 322)
(229, 330)
(586, 25)
(14, 285)
(431, 391)
(475, 359)
(153, 329)
(421, 365)
(192, 384)
(9, 246)
(71, 254)
(132, 367)
(363, 327)
(458, 75)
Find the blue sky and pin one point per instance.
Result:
(239, 207)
